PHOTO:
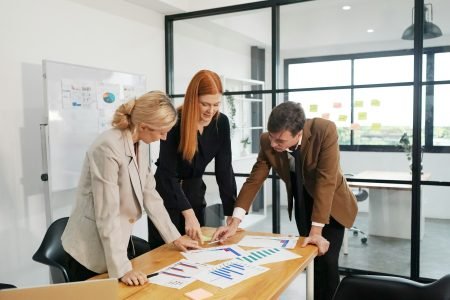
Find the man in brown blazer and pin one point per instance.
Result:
(305, 154)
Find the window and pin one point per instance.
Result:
(370, 96)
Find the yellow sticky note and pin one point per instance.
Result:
(313, 108)
(362, 116)
(376, 126)
(198, 294)
(206, 238)
(342, 118)
(375, 102)
(359, 103)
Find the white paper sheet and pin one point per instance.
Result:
(258, 241)
(215, 253)
(179, 274)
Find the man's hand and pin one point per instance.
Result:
(184, 243)
(315, 238)
(192, 226)
(224, 232)
(134, 277)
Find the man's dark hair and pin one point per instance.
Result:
(287, 116)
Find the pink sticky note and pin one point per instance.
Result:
(198, 294)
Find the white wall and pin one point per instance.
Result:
(106, 34)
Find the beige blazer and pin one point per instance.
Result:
(322, 174)
(114, 186)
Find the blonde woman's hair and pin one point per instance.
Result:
(153, 108)
(204, 82)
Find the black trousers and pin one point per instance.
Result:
(78, 272)
(194, 189)
(326, 267)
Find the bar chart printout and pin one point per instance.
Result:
(179, 274)
(257, 241)
(230, 273)
(267, 255)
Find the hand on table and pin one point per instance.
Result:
(185, 243)
(134, 277)
(322, 243)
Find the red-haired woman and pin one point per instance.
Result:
(201, 134)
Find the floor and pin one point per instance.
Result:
(381, 254)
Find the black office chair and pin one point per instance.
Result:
(51, 251)
(6, 286)
(374, 287)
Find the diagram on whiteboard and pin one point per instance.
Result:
(77, 94)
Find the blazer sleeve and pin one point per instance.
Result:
(153, 205)
(104, 168)
(258, 175)
(224, 169)
(326, 174)
(169, 186)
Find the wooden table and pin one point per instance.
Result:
(268, 285)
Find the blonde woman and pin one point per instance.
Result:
(201, 135)
(115, 184)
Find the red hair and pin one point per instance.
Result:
(204, 82)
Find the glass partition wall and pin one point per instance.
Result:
(346, 62)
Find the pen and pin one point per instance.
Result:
(151, 275)
(213, 242)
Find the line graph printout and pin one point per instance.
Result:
(259, 241)
(179, 274)
(215, 253)
(230, 273)
(267, 255)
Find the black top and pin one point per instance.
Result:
(214, 142)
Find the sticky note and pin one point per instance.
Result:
(342, 118)
(362, 116)
(376, 126)
(206, 238)
(313, 108)
(337, 105)
(326, 116)
(355, 126)
(359, 103)
(198, 294)
(375, 102)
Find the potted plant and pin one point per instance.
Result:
(245, 142)
(232, 108)
(406, 146)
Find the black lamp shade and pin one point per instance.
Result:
(430, 31)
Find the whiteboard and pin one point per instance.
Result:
(80, 102)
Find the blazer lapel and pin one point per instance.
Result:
(306, 143)
(133, 168)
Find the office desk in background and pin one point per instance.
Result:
(389, 204)
(268, 285)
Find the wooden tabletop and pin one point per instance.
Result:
(268, 285)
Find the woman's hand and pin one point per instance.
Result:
(134, 277)
(184, 243)
(192, 226)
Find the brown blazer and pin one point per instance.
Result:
(114, 186)
(322, 174)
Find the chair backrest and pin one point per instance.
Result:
(6, 286)
(51, 252)
(373, 287)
